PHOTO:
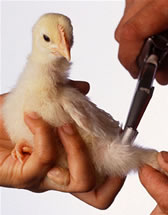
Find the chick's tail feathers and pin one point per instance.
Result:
(118, 159)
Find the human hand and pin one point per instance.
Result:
(157, 184)
(100, 196)
(141, 19)
(37, 168)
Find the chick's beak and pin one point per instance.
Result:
(63, 48)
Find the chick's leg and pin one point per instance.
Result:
(20, 150)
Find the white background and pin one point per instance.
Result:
(94, 55)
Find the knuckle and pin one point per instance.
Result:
(129, 32)
(117, 34)
(130, 41)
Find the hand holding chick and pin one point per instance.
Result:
(38, 170)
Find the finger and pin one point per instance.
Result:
(163, 160)
(82, 86)
(135, 32)
(103, 196)
(131, 9)
(79, 163)
(162, 75)
(81, 171)
(156, 184)
(44, 150)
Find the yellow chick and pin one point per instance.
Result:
(43, 88)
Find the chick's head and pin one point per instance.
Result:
(53, 36)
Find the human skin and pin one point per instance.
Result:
(39, 171)
(141, 19)
(156, 184)
(101, 196)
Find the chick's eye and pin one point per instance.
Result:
(46, 38)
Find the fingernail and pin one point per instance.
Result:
(68, 129)
(165, 156)
(33, 115)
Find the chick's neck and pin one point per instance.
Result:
(56, 68)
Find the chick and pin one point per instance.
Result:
(44, 88)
